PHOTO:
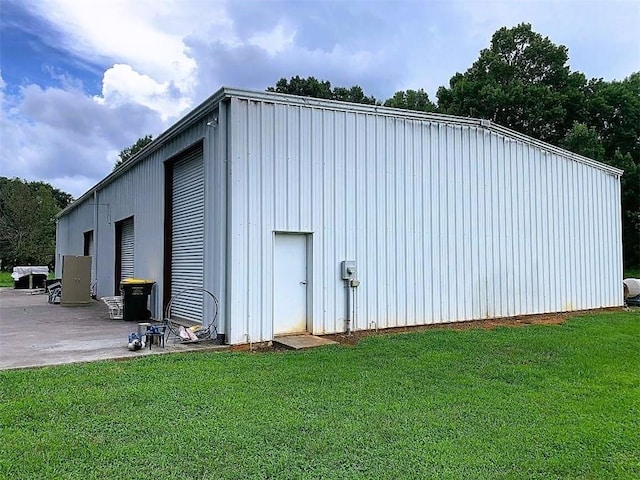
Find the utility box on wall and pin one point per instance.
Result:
(348, 269)
(76, 280)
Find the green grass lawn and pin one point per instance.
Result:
(5, 279)
(539, 401)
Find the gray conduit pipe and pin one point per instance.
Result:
(349, 302)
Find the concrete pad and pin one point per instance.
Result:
(34, 333)
(297, 342)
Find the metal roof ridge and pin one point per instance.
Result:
(232, 92)
(289, 99)
(419, 115)
(553, 148)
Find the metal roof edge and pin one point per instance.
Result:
(285, 98)
(428, 116)
(228, 92)
(547, 146)
(202, 109)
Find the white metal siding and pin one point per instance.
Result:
(188, 236)
(127, 249)
(70, 233)
(92, 253)
(447, 221)
(140, 193)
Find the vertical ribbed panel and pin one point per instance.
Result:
(127, 250)
(447, 222)
(138, 193)
(187, 233)
(70, 233)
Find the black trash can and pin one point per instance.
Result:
(135, 299)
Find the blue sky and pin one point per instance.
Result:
(82, 79)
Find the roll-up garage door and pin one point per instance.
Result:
(187, 237)
(90, 250)
(126, 249)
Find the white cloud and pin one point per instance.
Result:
(143, 40)
(160, 57)
(66, 138)
(2, 87)
(121, 85)
(274, 41)
(134, 32)
(247, 66)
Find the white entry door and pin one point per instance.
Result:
(290, 284)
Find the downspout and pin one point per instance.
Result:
(226, 150)
(95, 238)
(208, 237)
(56, 264)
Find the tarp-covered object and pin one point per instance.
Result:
(19, 272)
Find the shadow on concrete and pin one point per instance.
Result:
(34, 333)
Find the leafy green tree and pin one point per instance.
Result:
(613, 109)
(61, 199)
(521, 81)
(630, 189)
(586, 141)
(27, 222)
(129, 152)
(354, 94)
(303, 87)
(312, 87)
(411, 100)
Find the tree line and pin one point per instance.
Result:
(523, 81)
(28, 223)
(28, 216)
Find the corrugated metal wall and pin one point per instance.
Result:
(138, 193)
(187, 237)
(447, 222)
(70, 233)
(127, 249)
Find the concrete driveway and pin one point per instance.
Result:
(35, 333)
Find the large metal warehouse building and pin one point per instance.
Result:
(260, 197)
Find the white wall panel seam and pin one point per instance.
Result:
(517, 203)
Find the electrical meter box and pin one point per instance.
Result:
(348, 269)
